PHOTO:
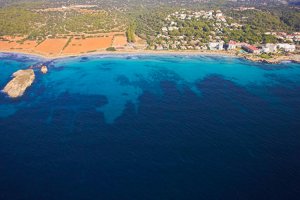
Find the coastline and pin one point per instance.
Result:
(125, 52)
(293, 58)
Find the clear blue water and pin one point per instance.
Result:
(151, 127)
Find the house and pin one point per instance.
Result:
(159, 47)
(173, 46)
(250, 49)
(164, 29)
(287, 47)
(235, 25)
(297, 38)
(290, 37)
(222, 18)
(231, 45)
(173, 23)
(219, 15)
(171, 28)
(182, 16)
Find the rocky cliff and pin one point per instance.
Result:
(21, 81)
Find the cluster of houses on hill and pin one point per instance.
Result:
(216, 16)
(283, 36)
(215, 41)
(243, 8)
(188, 15)
(183, 42)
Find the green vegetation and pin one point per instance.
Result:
(111, 49)
(130, 33)
(265, 56)
(150, 21)
(17, 21)
(144, 19)
(292, 19)
(39, 23)
(193, 28)
(261, 20)
(92, 22)
(68, 42)
(246, 33)
(269, 39)
(278, 19)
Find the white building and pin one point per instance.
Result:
(159, 47)
(173, 23)
(210, 13)
(164, 29)
(287, 47)
(216, 45)
(231, 45)
(182, 16)
(171, 28)
(173, 46)
(269, 48)
(219, 15)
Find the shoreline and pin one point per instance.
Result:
(122, 52)
(295, 58)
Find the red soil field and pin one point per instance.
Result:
(119, 41)
(88, 44)
(5, 45)
(51, 46)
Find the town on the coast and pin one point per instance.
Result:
(263, 32)
(58, 28)
(213, 31)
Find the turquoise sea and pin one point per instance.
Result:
(151, 127)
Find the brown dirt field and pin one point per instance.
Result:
(5, 45)
(27, 45)
(88, 44)
(140, 43)
(139, 40)
(119, 41)
(51, 46)
(54, 47)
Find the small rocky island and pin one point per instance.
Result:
(21, 81)
(44, 69)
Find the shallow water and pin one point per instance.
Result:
(151, 127)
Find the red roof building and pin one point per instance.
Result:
(251, 49)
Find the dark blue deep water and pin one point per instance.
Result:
(151, 127)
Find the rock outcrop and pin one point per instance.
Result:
(44, 69)
(274, 60)
(21, 81)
